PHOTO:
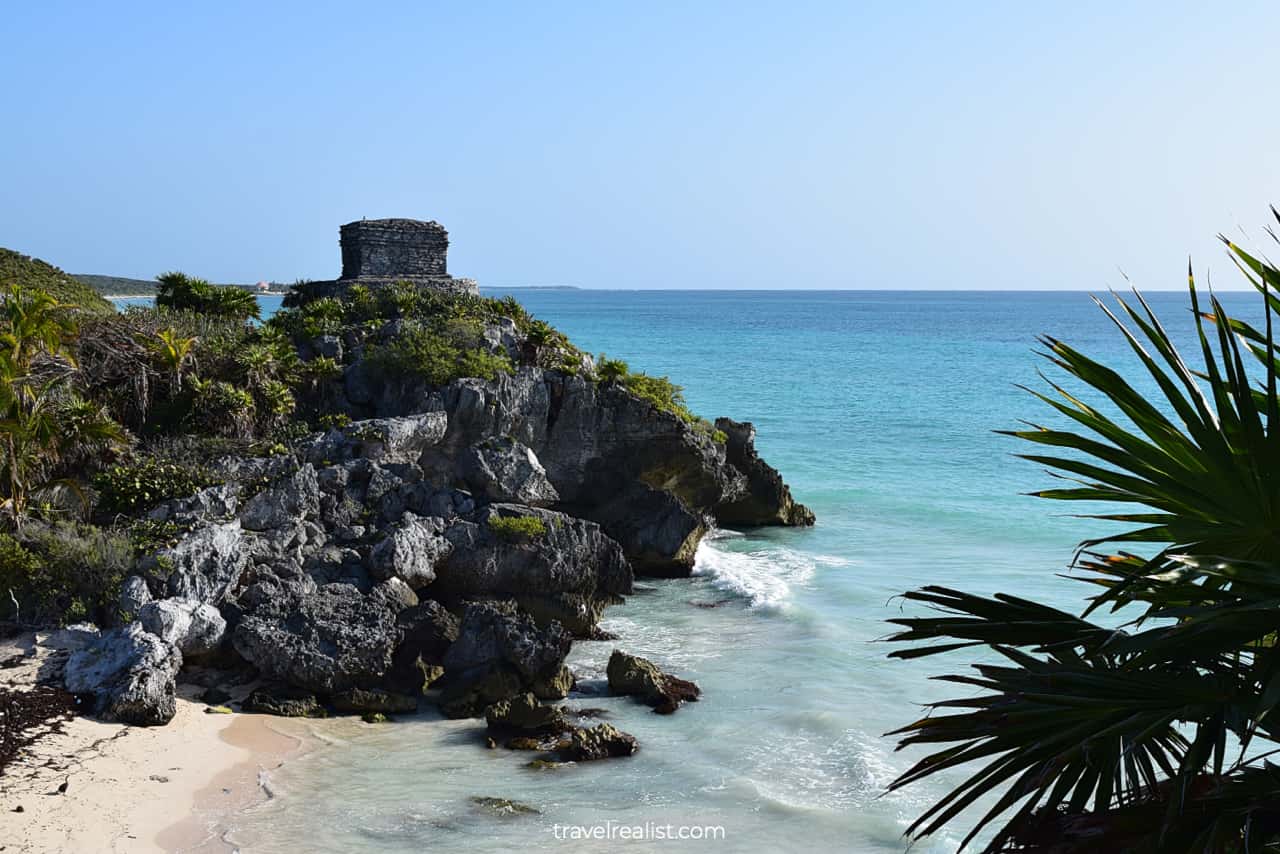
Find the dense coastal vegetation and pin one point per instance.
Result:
(1157, 735)
(112, 413)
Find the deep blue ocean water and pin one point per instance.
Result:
(879, 408)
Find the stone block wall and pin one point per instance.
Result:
(394, 248)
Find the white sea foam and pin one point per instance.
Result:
(765, 576)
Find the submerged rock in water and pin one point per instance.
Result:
(602, 741)
(130, 672)
(633, 675)
(525, 713)
(504, 806)
(374, 700)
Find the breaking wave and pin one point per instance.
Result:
(765, 576)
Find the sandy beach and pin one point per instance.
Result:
(136, 790)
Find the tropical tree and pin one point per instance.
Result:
(179, 291)
(1154, 736)
(33, 323)
(174, 352)
(44, 425)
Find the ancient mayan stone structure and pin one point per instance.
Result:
(382, 251)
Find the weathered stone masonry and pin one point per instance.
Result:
(379, 248)
(378, 252)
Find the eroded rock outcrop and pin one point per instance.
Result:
(500, 652)
(633, 675)
(332, 640)
(130, 673)
(195, 628)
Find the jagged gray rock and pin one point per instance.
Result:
(572, 556)
(502, 469)
(410, 551)
(382, 440)
(134, 593)
(205, 564)
(213, 502)
(130, 672)
(195, 628)
(282, 505)
(500, 632)
(426, 632)
(500, 652)
(332, 640)
(767, 499)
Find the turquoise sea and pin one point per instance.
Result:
(878, 407)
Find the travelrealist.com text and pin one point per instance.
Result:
(649, 831)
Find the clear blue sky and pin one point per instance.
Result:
(788, 145)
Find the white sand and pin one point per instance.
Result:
(135, 789)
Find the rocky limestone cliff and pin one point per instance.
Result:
(454, 537)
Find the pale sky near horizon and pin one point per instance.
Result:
(784, 145)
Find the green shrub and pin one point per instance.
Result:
(661, 392)
(141, 485)
(222, 408)
(439, 354)
(64, 572)
(335, 420)
(611, 370)
(149, 535)
(517, 529)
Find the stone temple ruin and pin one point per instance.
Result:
(377, 252)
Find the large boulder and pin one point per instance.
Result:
(410, 551)
(658, 531)
(293, 499)
(602, 741)
(206, 564)
(130, 673)
(195, 628)
(332, 640)
(503, 469)
(767, 500)
(500, 652)
(633, 675)
(500, 632)
(382, 440)
(568, 555)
